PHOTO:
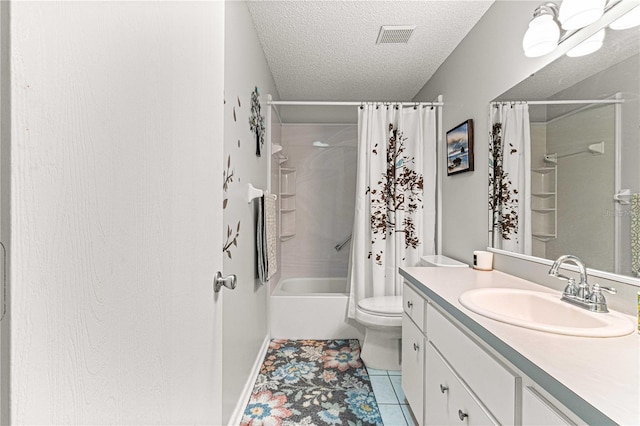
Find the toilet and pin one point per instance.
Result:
(382, 318)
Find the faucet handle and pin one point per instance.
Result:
(597, 299)
(571, 289)
(598, 288)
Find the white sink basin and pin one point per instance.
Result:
(544, 312)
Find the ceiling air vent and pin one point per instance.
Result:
(395, 33)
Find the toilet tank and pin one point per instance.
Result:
(441, 261)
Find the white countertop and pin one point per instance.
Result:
(593, 377)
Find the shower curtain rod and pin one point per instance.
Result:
(352, 103)
(575, 102)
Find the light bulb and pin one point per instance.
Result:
(628, 20)
(576, 14)
(541, 37)
(588, 46)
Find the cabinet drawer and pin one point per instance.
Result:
(413, 347)
(446, 397)
(413, 305)
(537, 411)
(496, 386)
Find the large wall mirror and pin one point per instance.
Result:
(568, 169)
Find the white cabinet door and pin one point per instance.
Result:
(414, 305)
(413, 344)
(447, 401)
(436, 391)
(537, 411)
(493, 383)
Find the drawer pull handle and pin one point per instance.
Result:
(444, 388)
(409, 304)
(462, 415)
(415, 345)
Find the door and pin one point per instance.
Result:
(4, 348)
(124, 221)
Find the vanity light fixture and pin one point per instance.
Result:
(576, 14)
(588, 46)
(543, 33)
(628, 20)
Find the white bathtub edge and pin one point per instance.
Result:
(245, 395)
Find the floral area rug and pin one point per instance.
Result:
(312, 382)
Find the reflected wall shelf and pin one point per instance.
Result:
(544, 208)
(287, 210)
(544, 237)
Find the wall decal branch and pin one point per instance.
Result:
(231, 240)
(227, 177)
(256, 120)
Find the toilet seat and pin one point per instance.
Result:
(383, 311)
(382, 305)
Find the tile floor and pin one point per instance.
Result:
(391, 401)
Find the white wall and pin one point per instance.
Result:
(485, 64)
(115, 156)
(245, 320)
(538, 151)
(585, 187)
(324, 201)
(621, 77)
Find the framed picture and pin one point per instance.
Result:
(460, 148)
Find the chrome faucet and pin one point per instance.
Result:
(581, 295)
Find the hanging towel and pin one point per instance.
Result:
(635, 234)
(270, 234)
(261, 249)
(266, 237)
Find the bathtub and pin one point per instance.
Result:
(312, 308)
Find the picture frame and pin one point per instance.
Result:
(460, 148)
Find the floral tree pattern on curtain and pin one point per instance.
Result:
(503, 195)
(394, 220)
(399, 189)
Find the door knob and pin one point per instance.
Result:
(229, 282)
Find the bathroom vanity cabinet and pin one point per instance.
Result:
(413, 350)
(446, 377)
(481, 387)
(456, 371)
(538, 410)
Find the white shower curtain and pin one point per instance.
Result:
(510, 177)
(394, 222)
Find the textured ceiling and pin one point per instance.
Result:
(325, 50)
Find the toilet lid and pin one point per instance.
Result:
(383, 305)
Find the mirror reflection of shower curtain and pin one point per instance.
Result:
(511, 177)
(394, 222)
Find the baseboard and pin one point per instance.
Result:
(238, 412)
